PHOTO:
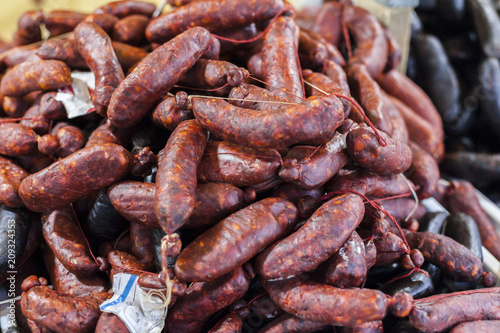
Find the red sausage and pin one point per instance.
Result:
(424, 171)
(16, 139)
(127, 7)
(11, 176)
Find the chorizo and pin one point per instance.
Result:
(202, 299)
(59, 22)
(131, 30)
(16, 107)
(424, 171)
(339, 307)
(107, 133)
(139, 92)
(128, 56)
(123, 262)
(314, 120)
(252, 97)
(35, 75)
(212, 15)
(28, 28)
(477, 326)
(64, 50)
(170, 114)
(35, 120)
(11, 176)
(280, 64)
(110, 323)
(315, 51)
(291, 324)
(64, 236)
(327, 22)
(314, 242)
(74, 176)
(71, 139)
(309, 167)
(238, 165)
(127, 7)
(232, 323)
(50, 108)
(142, 244)
(16, 139)
(95, 47)
(104, 20)
(243, 234)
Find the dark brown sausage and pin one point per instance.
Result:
(142, 244)
(66, 180)
(315, 120)
(176, 178)
(203, 299)
(141, 89)
(95, 47)
(291, 324)
(238, 165)
(326, 304)
(232, 323)
(35, 75)
(213, 15)
(280, 63)
(35, 120)
(439, 313)
(131, 30)
(16, 139)
(50, 108)
(11, 176)
(64, 236)
(61, 313)
(127, 7)
(309, 167)
(107, 133)
(364, 147)
(347, 268)
(240, 236)
(450, 256)
(321, 236)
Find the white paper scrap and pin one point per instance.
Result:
(77, 100)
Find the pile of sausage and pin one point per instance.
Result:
(259, 165)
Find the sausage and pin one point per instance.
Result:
(64, 236)
(74, 176)
(127, 7)
(128, 56)
(369, 327)
(28, 28)
(451, 257)
(238, 165)
(369, 184)
(35, 120)
(315, 51)
(131, 30)
(35, 75)
(169, 114)
(16, 107)
(264, 308)
(417, 284)
(441, 312)
(424, 171)
(69, 283)
(327, 22)
(212, 15)
(11, 176)
(313, 243)
(110, 323)
(243, 235)
(64, 50)
(478, 168)
(280, 64)
(339, 307)
(139, 92)
(405, 90)
(254, 65)
(176, 178)
(16, 139)
(291, 324)
(314, 120)
(142, 244)
(59, 22)
(50, 108)
(123, 262)
(95, 47)
(364, 147)
(487, 23)
(208, 73)
(433, 222)
(369, 94)
(252, 97)
(17, 55)
(421, 131)
(477, 326)
(59, 312)
(399, 128)
(104, 20)
(461, 197)
(346, 268)
(71, 139)
(309, 167)
(369, 37)
(107, 133)
(232, 323)
(203, 299)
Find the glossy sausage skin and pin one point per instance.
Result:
(74, 176)
(321, 236)
(142, 89)
(238, 165)
(203, 299)
(11, 176)
(64, 236)
(35, 75)
(315, 120)
(240, 236)
(176, 178)
(95, 47)
(326, 304)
